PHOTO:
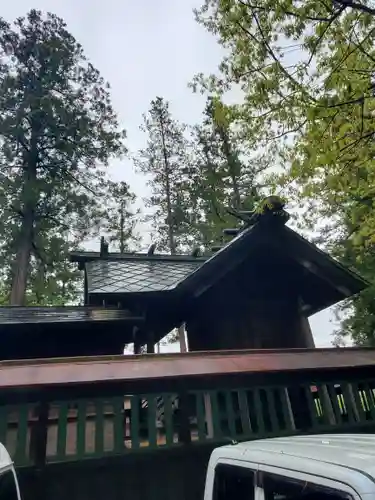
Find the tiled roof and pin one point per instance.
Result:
(192, 277)
(132, 276)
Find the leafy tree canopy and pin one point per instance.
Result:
(306, 72)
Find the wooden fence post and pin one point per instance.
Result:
(38, 448)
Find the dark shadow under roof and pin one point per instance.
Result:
(47, 332)
(65, 314)
(83, 257)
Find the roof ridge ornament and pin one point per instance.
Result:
(269, 206)
(274, 206)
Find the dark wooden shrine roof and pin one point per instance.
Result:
(158, 368)
(42, 332)
(123, 275)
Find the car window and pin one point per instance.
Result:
(277, 487)
(233, 482)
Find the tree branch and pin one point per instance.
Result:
(356, 6)
(287, 12)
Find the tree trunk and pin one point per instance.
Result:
(22, 262)
(25, 241)
(171, 239)
(232, 162)
(182, 338)
(122, 232)
(40, 282)
(213, 188)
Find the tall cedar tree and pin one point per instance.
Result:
(56, 125)
(165, 160)
(119, 220)
(307, 73)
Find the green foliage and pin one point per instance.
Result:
(306, 70)
(57, 126)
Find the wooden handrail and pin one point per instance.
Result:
(40, 374)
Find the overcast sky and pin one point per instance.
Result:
(144, 48)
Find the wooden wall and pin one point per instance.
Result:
(272, 325)
(250, 309)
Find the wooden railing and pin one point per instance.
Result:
(64, 430)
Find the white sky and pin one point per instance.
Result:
(144, 48)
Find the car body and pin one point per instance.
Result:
(9, 489)
(304, 467)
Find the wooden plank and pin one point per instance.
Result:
(335, 404)
(3, 424)
(118, 424)
(62, 428)
(349, 402)
(99, 427)
(258, 412)
(244, 412)
(216, 420)
(311, 406)
(22, 428)
(152, 437)
(358, 403)
(370, 399)
(201, 418)
(134, 421)
(168, 419)
(184, 431)
(39, 436)
(328, 412)
(230, 413)
(286, 409)
(81, 428)
(208, 412)
(272, 409)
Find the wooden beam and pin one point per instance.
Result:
(136, 340)
(150, 343)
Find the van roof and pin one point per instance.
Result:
(5, 459)
(354, 451)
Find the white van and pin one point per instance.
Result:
(320, 467)
(9, 489)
